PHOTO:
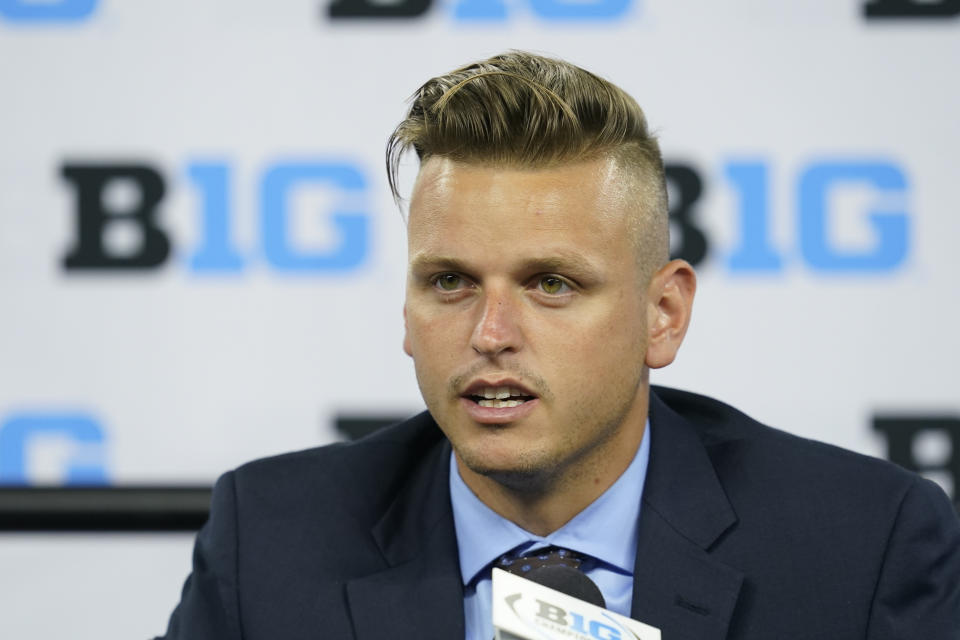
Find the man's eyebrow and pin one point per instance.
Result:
(564, 262)
(426, 262)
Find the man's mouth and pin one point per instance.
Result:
(499, 397)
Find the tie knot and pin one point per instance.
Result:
(546, 557)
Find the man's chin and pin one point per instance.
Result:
(516, 471)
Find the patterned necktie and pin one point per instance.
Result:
(547, 557)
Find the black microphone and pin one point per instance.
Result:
(570, 581)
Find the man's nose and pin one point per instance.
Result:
(498, 329)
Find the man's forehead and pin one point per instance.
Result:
(599, 186)
(506, 217)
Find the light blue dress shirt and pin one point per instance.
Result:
(606, 531)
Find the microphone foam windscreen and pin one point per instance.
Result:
(569, 581)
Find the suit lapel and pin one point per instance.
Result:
(420, 594)
(677, 586)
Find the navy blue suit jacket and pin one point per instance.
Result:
(746, 533)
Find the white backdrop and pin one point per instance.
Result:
(825, 144)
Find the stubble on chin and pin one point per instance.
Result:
(525, 473)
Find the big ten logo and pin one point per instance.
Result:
(574, 622)
(831, 237)
(52, 448)
(117, 226)
(928, 444)
(483, 11)
(908, 9)
(47, 11)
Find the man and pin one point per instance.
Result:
(539, 296)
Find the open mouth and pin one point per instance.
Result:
(499, 397)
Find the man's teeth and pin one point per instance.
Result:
(500, 404)
(501, 397)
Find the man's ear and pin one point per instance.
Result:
(406, 334)
(669, 305)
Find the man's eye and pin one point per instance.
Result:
(448, 282)
(553, 285)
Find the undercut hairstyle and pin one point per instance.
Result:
(521, 110)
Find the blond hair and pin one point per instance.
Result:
(523, 110)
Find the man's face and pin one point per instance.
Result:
(525, 315)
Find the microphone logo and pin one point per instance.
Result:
(524, 610)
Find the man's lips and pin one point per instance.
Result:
(497, 401)
(499, 393)
(498, 414)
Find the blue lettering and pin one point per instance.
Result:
(890, 225)
(558, 10)
(492, 10)
(581, 10)
(351, 225)
(602, 631)
(577, 622)
(215, 253)
(85, 465)
(754, 252)
(47, 11)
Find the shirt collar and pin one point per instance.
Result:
(605, 530)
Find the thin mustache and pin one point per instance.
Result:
(530, 379)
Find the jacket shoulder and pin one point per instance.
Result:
(862, 540)
(356, 477)
(750, 457)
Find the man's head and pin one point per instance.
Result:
(538, 271)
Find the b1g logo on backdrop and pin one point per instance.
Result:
(881, 237)
(52, 447)
(345, 246)
(477, 11)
